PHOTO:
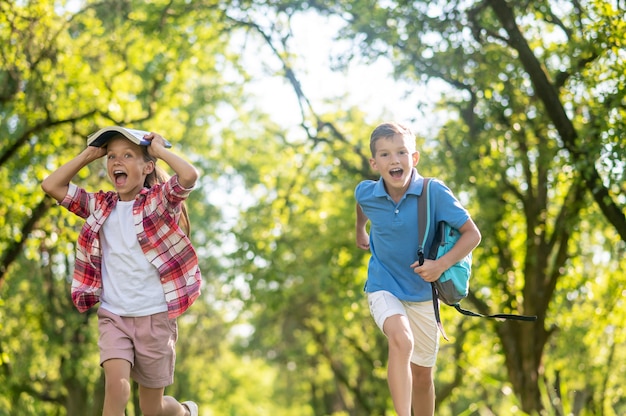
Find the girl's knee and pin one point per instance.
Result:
(118, 389)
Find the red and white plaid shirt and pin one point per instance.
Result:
(155, 212)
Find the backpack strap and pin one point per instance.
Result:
(423, 219)
(510, 316)
(423, 227)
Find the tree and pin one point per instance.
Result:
(299, 263)
(282, 327)
(532, 121)
(66, 70)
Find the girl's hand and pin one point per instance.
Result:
(92, 153)
(157, 144)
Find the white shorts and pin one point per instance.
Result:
(421, 317)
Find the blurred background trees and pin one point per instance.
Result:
(529, 135)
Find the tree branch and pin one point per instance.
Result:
(548, 94)
(16, 246)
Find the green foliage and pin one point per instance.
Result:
(68, 69)
(49, 354)
(282, 326)
(297, 257)
(529, 134)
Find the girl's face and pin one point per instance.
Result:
(394, 160)
(127, 167)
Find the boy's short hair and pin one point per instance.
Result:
(388, 130)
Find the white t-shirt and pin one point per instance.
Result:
(131, 286)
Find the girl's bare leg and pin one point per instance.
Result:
(116, 387)
(154, 403)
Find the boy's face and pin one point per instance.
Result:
(126, 167)
(394, 159)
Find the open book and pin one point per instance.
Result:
(99, 138)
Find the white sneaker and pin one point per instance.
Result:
(193, 408)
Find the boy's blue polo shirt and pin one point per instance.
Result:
(393, 234)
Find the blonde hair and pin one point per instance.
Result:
(388, 130)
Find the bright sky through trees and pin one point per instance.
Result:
(371, 87)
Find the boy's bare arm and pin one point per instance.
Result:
(57, 183)
(433, 269)
(362, 238)
(469, 239)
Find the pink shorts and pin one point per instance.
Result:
(148, 343)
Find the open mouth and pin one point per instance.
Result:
(396, 173)
(119, 177)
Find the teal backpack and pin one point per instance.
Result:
(453, 285)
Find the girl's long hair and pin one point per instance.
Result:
(159, 175)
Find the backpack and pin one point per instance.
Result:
(453, 285)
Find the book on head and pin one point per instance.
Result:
(102, 136)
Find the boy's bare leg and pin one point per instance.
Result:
(423, 390)
(399, 376)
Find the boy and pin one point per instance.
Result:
(398, 288)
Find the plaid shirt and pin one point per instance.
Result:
(155, 212)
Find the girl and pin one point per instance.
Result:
(135, 260)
